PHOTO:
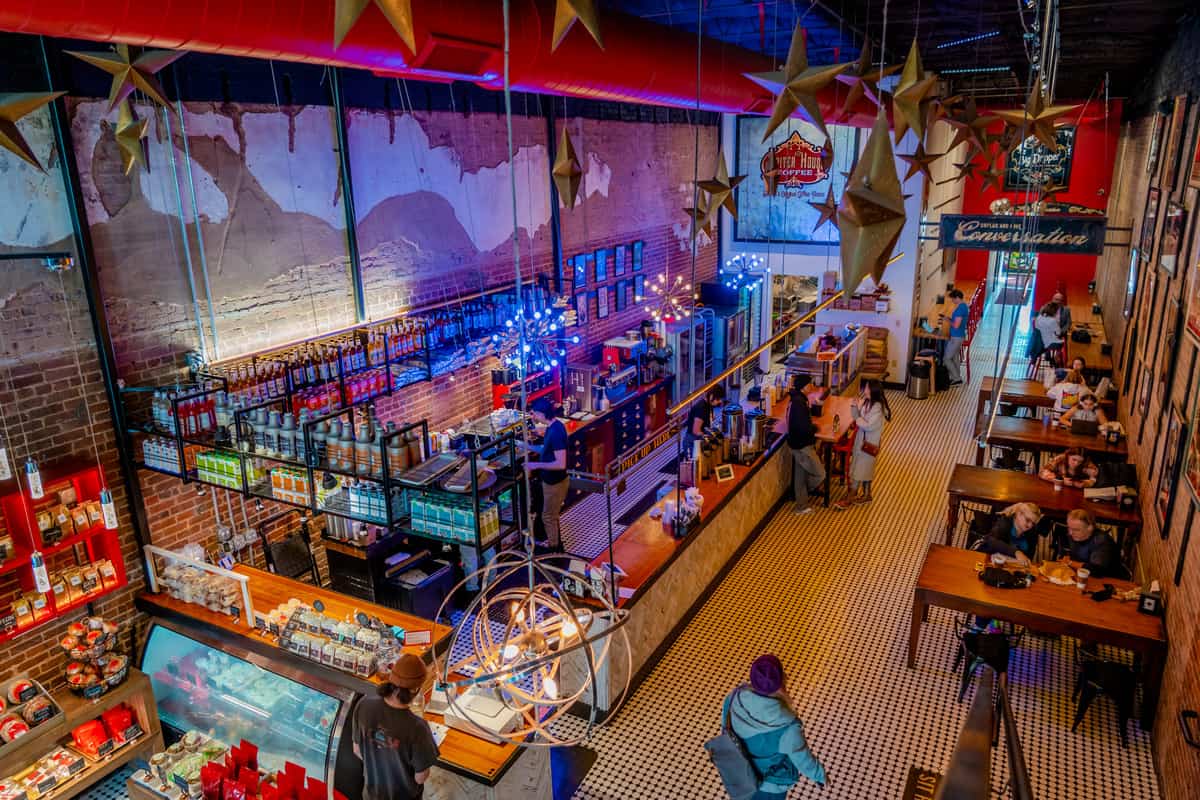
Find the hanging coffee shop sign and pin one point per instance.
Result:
(1038, 234)
(1033, 165)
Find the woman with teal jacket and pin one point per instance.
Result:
(762, 717)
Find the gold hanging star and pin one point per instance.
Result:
(871, 214)
(919, 161)
(129, 134)
(566, 12)
(1037, 119)
(969, 126)
(132, 74)
(346, 14)
(992, 176)
(914, 93)
(770, 174)
(828, 210)
(567, 171)
(14, 107)
(702, 216)
(720, 188)
(798, 86)
(863, 81)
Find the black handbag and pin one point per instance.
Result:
(999, 578)
(1081, 336)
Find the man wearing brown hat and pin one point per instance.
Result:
(396, 746)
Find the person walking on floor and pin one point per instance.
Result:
(807, 471)
(869, 412)
(952, 357)
(763, 718)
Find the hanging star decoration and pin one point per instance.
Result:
(129, 134)
(797, 86)
(13, 108)
(720, 189)
(129, 75)
(346, 14)
(567, 12)
(969, 126)
(567, 172)
(828, 209)
(871, 214)
(992, 176)
(1037, 119)
(770, 174)
(914, 94)
(701, 216)
(919, 161)
(863, 80)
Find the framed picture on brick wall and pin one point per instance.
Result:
(1156, 136)
(639, 288)
(620, 253)
(637, 255)
(602, 303)
(603, 256)
(1149, 224)
(1174, 225)
(579, 269)
(581, 308)
(1191, 285)
(1168, 473)
(622, 295)
(1194, 176)
(1176, 133)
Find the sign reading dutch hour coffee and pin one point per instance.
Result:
(804, 174)
(1050, 233)
(1031, 164)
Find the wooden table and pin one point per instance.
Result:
(1024, 393)
(948, 579)
(1031, 435)
(1003, 487)
(839, 406)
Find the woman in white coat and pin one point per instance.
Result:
(870, 412)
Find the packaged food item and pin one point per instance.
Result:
(89, 736)
(95, 513)
(6, 548)
(39, 604)
(20, 691)
(62, 519)
(79, 518)
(67, 496)
(12, 727)
(108, 573)
(37, 710)
(117, 721)
(91, 579)
(22, 611)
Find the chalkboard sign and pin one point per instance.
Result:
(105, 748)
(1033, 165)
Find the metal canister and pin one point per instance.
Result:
(733, 422)
(756, 431)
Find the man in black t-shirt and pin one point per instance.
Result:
(700, 417)
(551, 468)
(807, 470)
(395, 745)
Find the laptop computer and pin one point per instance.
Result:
(1085, 427)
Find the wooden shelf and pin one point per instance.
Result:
(135, 691)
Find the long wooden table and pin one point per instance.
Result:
(1003, 487)
(1020, 392)
(1033, 436)
(949, 579)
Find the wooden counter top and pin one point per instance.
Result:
(460, 752)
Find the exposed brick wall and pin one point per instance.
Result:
(1178, 765)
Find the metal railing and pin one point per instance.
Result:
(968, 776)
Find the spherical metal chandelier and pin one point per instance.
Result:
(532, 342)
(670, 298)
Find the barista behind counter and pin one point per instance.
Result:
(700, 416)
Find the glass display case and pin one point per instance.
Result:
(215, 686)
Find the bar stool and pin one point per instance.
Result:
(977, 647)
(1099, 676)
(1050, 358)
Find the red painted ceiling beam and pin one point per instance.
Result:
(642, 62)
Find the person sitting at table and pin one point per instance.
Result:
(1064, 314)
(1066, 390)
(1091, 547)
(1088, 409)
(1047, 325)
(1071, 467)
(1014, 533)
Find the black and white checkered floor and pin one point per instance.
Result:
(830, 594)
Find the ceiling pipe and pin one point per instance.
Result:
(461, 40)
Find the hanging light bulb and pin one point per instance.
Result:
(34, 478)
(109, 509)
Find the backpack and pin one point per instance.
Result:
(730, 758)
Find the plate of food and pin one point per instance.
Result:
(1059, 573)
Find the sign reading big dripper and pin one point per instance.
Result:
(1032, 165)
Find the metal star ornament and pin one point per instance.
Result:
(871, 214)
(1037, 118)
(992, 176)
(914, 93)
(13, 108)
(969, 126)
(129, 134)
(567, 172)
(346, 14)
(919, 161)
(702, 216)
(721, 187)
(828, 210)
(567, 12)
(129, 75)
(863, 81)
(798, 85)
